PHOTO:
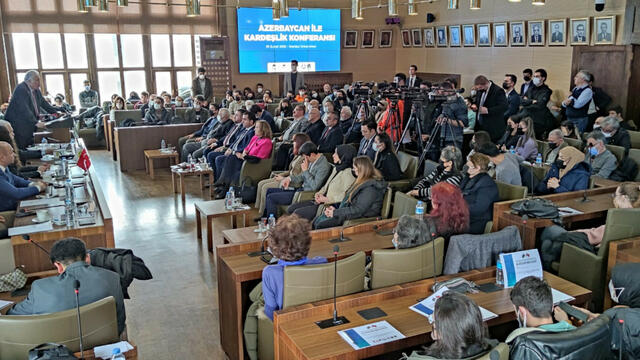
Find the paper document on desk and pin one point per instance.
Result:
(50, 202)
(4, 304)
(426, 306)
(520, 264)
(559, 296)
(106, 351)
(565, 211)
(30, 229)
(370, 335)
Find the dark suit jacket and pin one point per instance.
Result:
(388, 164)
(417, 82)
(333, 138)
(536, 38)
(221, 130)
(523, 91)
(543, 120)
(513, 101)
(208, 89)
(56, 293)
(241, 143)
(480, 192)
(266, 116)
(315, 131)
(556, 37)
(22, 115)
(496, 103)
(13, 188)
(369, 150)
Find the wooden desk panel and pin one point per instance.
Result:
(239, 273)
(297, 336)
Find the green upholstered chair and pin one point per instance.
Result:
(429, 166)
(543, 146)
(403, 204)
(19, 333)
(508, 192)
(409, 167)
(574, 142)
(635, 139)
(634, 154)
(618, 151)
(589, 270)
(252, 173)
(397, 266)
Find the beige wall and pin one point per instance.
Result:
(494, 62)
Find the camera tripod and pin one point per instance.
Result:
(437, 129)
(412, 123)
(364, 103)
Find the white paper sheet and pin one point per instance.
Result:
(370, 335)
(42, 202)
(4, 304)
(559, 296)
(106, 351)
(426, 306)
(564, 211)
(30, 229)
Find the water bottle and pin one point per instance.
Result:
(43, 146)
(190, 161)
(539, 160)
(117, 355)
(512, 149)
(68, 190)
(282, 114)
(272, 222)
(499, 275)
(73, 146)
(68, 212)
(228, 202)
(163, 144)
(65, 167)
(233, 196)
(420, 210)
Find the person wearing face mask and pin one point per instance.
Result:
(339, 181)
(458, 331)
(237, 102)
(534, 103)
(179, 102)
(118, 104)
(88, 97)
(507, 165)
(201, 85)
(568, 173)
(511, 136)
(556, 142)
(627, 196)
(624, 290)
(198, 113)
(294, 80)
(479, 191)
(327, 108)
(577, 104)
(259, 89)
(526, 146)
(527, 75)
(448, 170)
(341, 99)
(158, 115)
(326, 91)
(615, 135)
(385, 159)
(533, 303)
(513, 99)
(602, 161)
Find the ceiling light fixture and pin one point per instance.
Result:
(412, 8)
(275, 5)
(393, 7)
(474, 4)
(284, 8)
(193, 8)
(356, 9)
(537, 2)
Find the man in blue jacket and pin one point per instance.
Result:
(13, 188)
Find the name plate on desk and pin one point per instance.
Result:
(518, 265)
(370, 335)
(29, 229)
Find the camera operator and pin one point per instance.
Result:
(451, 114)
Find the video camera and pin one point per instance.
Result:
(438, 93)
(362, 89)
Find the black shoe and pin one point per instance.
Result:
(219, 196)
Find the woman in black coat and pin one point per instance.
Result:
(386, 160)
(480, 192)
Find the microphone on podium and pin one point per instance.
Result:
(335, 320)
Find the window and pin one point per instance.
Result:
(51, 51)
(109, 83)
(77, 86)
(184, 78)
(132, 52)
(182, 50)
(54, 84)
(160, 50)
(106, 50)
(24, 50)
(163, 81)
(134, 81)
(20, 76)
(76, 49)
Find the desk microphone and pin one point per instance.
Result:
(335, 320)
(584, 194)
(28, 238)
(261, 252)
(435, 273)
(342, 238)
(76, 286)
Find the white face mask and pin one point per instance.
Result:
(196, 106)
(615, 292)
(596, 126)
(259, 90)
(178, 103)
(119, 106)
(473, 93)
(374, 146)
(537, 81)
(201, 77)
(606, 134)
(521, 323)
(87, 87)
(157, 106)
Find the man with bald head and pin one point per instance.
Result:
(25, 108)
(13, 188)
(316, 125)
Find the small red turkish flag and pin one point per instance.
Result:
(83, 160)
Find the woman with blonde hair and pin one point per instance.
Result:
(362, 200)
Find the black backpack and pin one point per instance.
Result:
(535, 208)
(626, 171)
(51, 351)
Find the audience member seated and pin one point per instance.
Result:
(315, 126)
(283, 147)
(259, 148)
(144, 100)
(449, 211)
(624, 290)
(289, 242)
(88, 97)
(238, 142)
(526, 146)
(448, 171)
(12, 187)
(362, 200)
(555, 141)
(615, 134)
(533, 303)
(506, 165)
(602, 161)
(458, 330)
(568, 173)
(197, 113)
(478, 138)
(616, 111)
(411, 232)
(302, 93)
(168, 104)
(332, 135)
(336, 186)
(59, 102)
(480, 192)
(341, 99)
(23, 155)
(179, 102)
(315, 171)
(133, 98)
(144, 109)
(351, 124)
(266, 97)
(118, 104)
(237, 102)
(159, 115)
(534, 103)
(55, 293)
(385, 159)
(274, 182)
(284, 109)
(16, 168)
(263, 114)
(511, 135)
(196, 143)
(327, 108)
(368, 131)
(627, 196)
(228, 98)
(569, 130)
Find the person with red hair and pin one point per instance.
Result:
(450, 213)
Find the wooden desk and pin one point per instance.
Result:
(151, 155)
(239, 273)
(211, 210)
(621, 251)
(297, 336)
(182, 173)
(89, 355)
(597, 208)
(99, 234)
(242, 236)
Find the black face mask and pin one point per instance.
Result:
(527, 78)
(519, 132)
(552, 145)
(505, 86)
(560, 164)
(353, 172)
(472, 144)
(440, 167)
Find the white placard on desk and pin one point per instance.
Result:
(519, 265)
(30, 229)
(426, 307)
(50, 202)
(370, 335)
(106, 351)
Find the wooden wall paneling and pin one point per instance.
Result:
(633, 105)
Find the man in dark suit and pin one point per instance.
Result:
(263, 114)
(527, 74)
(239, 142)
(332, 134)
(201, 85)
(534, 104)
(413, 81)
(513, 99)
(368, 130)
(56, 293)
(315, 126)
(12, 187)
(492, 104)
(25, 108)
(536, 37)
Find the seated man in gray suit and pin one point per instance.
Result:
(56, 293)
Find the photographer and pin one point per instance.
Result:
(451, 115)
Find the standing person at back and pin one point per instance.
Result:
(492, 104)
(534, 103)
(577, 104)
(201, 85)
(293, 81)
